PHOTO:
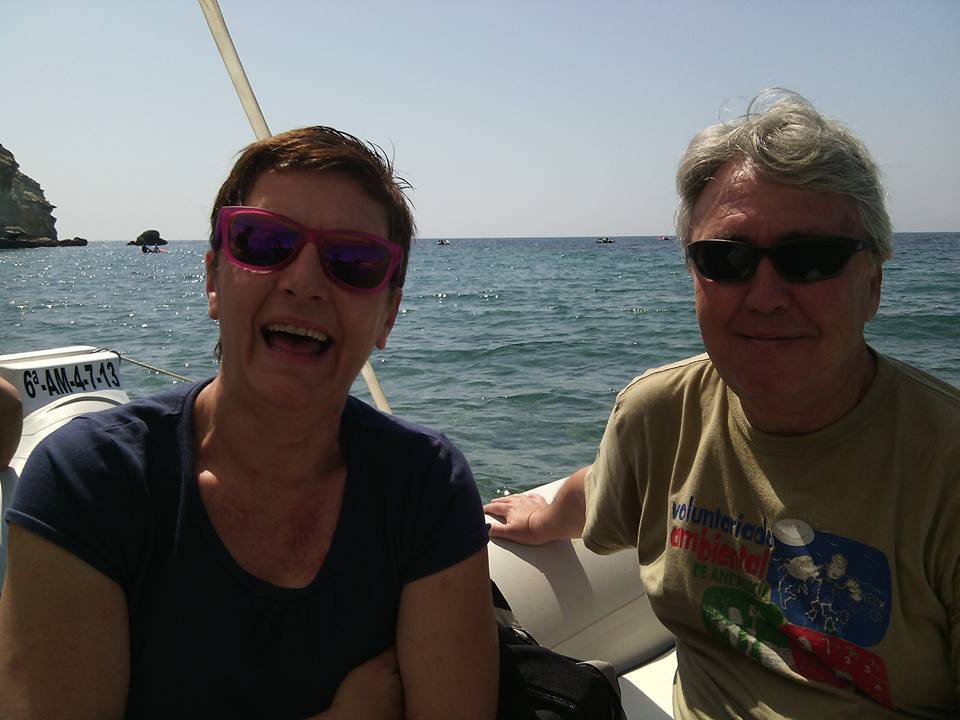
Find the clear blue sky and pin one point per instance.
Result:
(522, 118)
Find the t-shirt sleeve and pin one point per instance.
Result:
(79, 490)
(446, 522)
(612, 497)
(950, 592)
(954, 624)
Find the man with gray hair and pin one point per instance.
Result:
(792, 494)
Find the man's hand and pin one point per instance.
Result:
(531, 520)
(518, 513)
(371, 691)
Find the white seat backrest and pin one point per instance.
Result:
(578, 603)
(8, 478)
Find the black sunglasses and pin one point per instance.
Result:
(805, 259)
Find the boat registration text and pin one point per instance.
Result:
(55, 382)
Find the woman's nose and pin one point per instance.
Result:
(305, 277)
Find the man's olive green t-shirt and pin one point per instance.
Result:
(806, 576)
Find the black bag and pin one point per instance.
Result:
(539, 684)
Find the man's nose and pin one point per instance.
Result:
(767, 292)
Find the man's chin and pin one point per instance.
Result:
(775, 390)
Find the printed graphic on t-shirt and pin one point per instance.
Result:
(792, 598)
(829, 583)
(839, 663)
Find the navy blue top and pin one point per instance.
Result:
(119, 490)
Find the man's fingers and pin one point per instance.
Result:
(499, 507)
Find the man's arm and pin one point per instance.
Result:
(531, 520)
(447, 646)
(64, 637)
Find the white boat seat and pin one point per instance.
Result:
(647, 691)
(591, 607)
(8, 478)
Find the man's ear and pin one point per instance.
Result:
(874, 301)
(390, 318)
(213, 303)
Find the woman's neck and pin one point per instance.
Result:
(256, 442)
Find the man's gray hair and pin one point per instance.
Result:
(788, 141)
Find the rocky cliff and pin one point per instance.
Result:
(25, 217)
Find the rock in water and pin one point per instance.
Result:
(25, 217)
(148, 237)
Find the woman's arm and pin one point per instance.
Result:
(371, 691)
(64, 637)
(447, 644)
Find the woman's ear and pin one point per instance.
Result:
(213, 305)
(391, 317)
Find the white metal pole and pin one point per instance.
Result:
(221, 36)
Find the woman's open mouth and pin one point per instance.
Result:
(295, 339)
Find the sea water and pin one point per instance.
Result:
(515, 348)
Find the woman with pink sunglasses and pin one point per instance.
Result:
(260, 544)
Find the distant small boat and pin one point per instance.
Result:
(605, 240)
(663, 237)
(443, 242)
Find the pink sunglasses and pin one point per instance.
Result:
(263, 241)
